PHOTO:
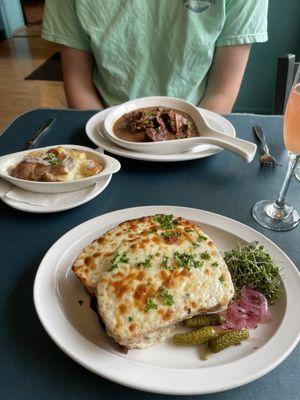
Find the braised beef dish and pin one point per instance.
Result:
(154, 124)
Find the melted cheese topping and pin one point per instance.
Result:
(55, 165)
(150, 273)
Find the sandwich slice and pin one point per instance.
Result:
(150, 273)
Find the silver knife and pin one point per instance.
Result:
(39, 133)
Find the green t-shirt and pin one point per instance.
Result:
(153, 47)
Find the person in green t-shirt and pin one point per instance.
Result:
(116, 50)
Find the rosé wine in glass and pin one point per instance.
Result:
(279, 215)
(291, 126)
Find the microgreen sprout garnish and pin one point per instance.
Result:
(118, 259)
(165, 221)
(150, 305)
(52, 159)
(130, 319)
(166, 297)
(186, 260)
(250, 265)
(215, 264)
(146, 263)
(221, 278)
(205, 256)
(200, 238)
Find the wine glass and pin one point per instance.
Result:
(279, 215)
(297, 172)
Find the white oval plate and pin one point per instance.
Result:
(89, 194)
(164, 368)
(96, 134)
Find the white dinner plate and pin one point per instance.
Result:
(96, 134)
(63, 308)
(80, 197)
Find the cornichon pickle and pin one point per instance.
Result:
(205, 320)
(198, 336)
(228, 339)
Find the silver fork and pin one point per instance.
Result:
(266, 159)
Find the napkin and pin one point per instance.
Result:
(16, 194)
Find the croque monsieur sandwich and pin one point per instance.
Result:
(150, 273)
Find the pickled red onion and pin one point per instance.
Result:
(248, 311)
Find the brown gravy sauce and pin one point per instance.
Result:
(122, 129)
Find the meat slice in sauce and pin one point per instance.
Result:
(155, 124)
(155, 135)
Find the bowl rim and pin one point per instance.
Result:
(42, 183)
(110, 133)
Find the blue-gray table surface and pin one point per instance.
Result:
(31, 366)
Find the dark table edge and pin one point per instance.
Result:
(96, 110)
(39, 109)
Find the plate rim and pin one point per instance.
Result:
(185, 389)
(176, 157)
(34, 209)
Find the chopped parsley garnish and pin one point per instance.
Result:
(150, 305)
(165, 221)
(168, 235)
(130, 319)
(185, 260)
(200, 238)
(221, 278)
(118, 259)
(52, 159)
(152, 230)
(166, 264)
(205, 256)
(188, 230)
(215, 264)
(157, 254)
(166, 297)
(146, 263)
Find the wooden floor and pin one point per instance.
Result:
(19, 56)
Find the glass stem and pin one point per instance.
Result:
(293, 161)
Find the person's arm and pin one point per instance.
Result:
(225, 77)
(77, 66)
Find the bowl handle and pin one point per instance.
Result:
(113, 165)
(240, 147)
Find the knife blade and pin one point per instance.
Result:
(42, 130)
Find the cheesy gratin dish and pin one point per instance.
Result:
(55, 165)
(150, 273)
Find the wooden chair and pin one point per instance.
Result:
(286, 70)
